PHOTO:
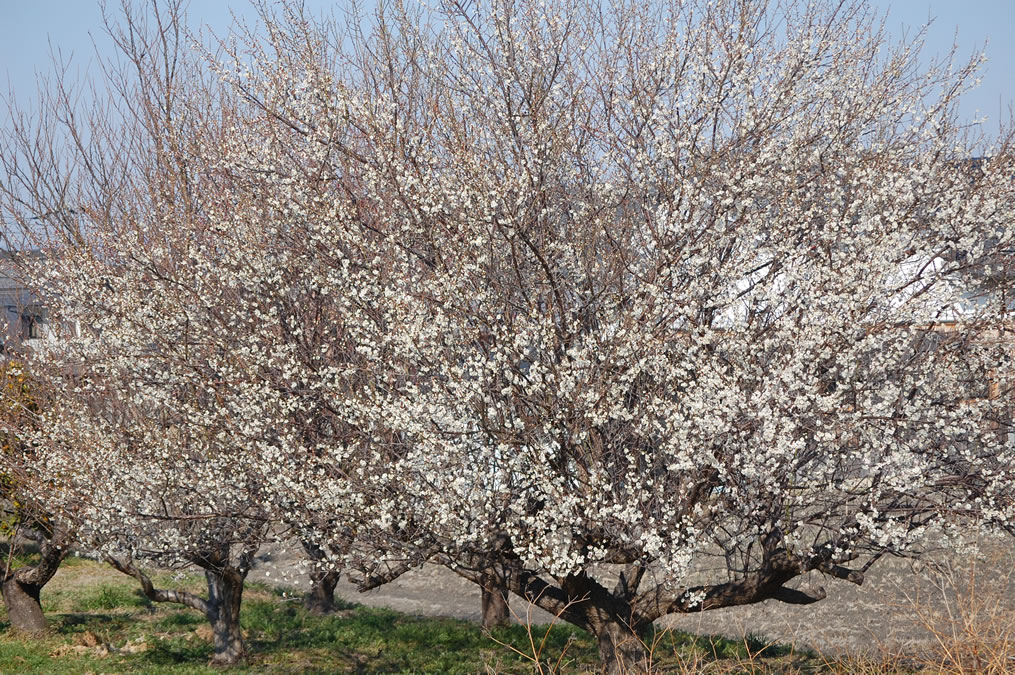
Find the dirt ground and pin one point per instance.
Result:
(892, 610)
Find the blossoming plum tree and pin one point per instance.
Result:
(668, 287)
(139, 450)
(24, 517)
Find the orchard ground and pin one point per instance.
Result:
(99, 622)
(902, 605)
(426, 622)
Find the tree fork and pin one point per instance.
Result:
(221, 609)
(21, 588)
(610, 617)
(320, 598)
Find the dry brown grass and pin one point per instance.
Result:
(969, 612)
(961, 610)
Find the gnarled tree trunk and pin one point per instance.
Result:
(21, 588)
(225, 593)
(611, 618)
(620, 618)
(583, 602)
(22, 602)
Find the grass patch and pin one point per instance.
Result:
(108, 596)
(101, 623)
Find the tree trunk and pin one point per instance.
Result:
(21, 587)
(321, 598)
(222, 608)
(621, 649)
(225, 592)
(23, 607)
(494, 602)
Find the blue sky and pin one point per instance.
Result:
(29, 28)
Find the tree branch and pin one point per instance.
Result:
(766, 584)
(795, 596)
(52, 552)
(372, 581)
(158, 594)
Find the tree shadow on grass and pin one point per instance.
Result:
(175, 651)
(74, 622)
(368, 639)
(284, 637)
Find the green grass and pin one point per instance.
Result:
(28, 554)
(89, 604)
(108, 596)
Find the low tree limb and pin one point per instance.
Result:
(52, 551)
(158, 594)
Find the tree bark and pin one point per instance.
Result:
(320, 599)
(494, 601)
(622, 651)
(21, 588)
(583, 602)
(23, 607)
(225, 593)
(222, 608)
(619, 619)
(612, 619)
